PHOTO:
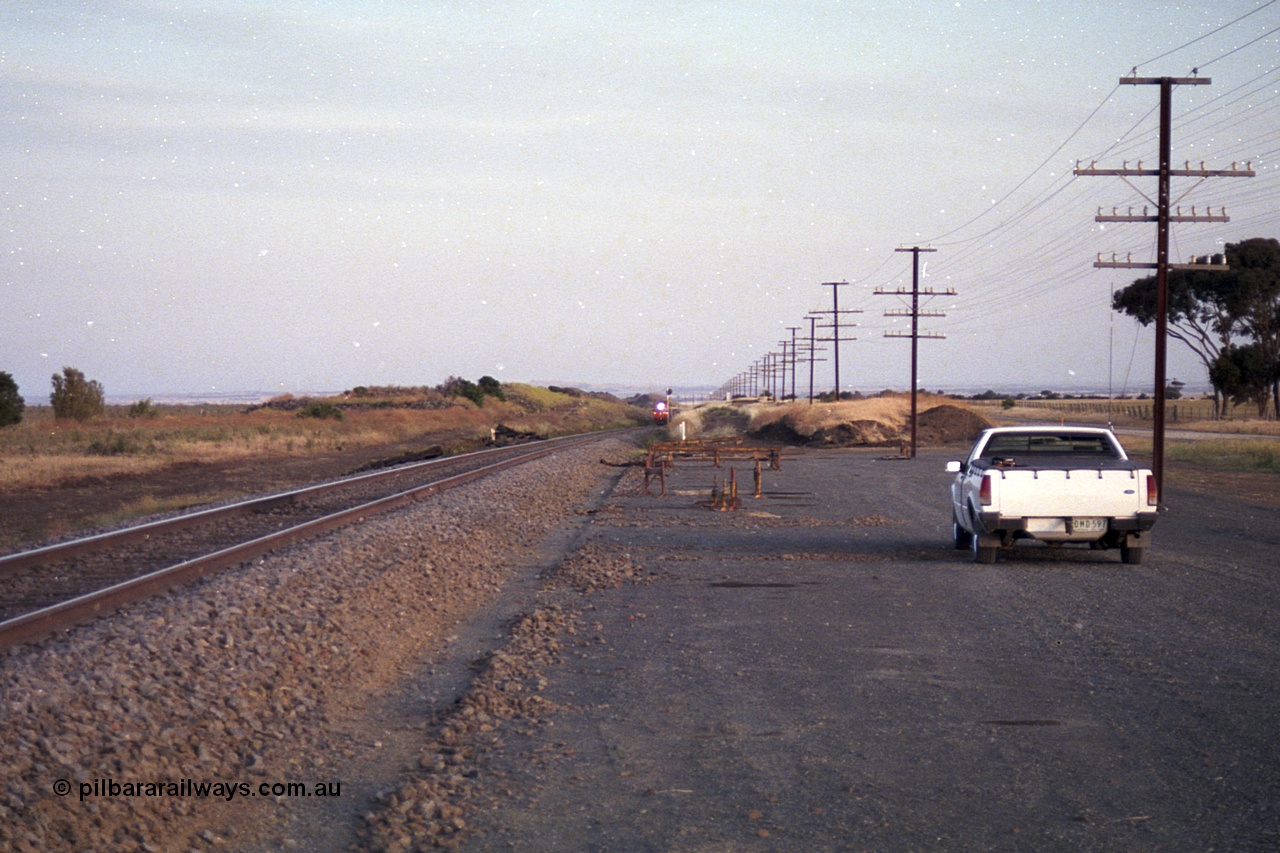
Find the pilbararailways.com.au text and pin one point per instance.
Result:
(193, 788)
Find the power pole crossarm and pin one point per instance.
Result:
(1187, 172)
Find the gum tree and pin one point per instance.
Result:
(74, 397)
(1213, 311)
(1255, 268)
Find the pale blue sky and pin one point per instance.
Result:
(266, 196)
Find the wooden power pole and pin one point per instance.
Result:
(835, 313)
(915, 314)
(1163, 216)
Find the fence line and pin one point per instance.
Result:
(1191, 410)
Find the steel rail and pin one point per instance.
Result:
(67, 614)
(142, 532)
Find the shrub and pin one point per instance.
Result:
(456, 386)
(11, 402)
(143, 409)
(1007, 403)
(114, 443)
(320, 411)
(491, 387)
(74, 397)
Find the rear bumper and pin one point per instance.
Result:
(1052, 529)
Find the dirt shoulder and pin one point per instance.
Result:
(33, 516)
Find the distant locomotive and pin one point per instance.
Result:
(661, 414)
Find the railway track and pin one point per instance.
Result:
(50, 589)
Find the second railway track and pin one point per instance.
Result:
(49, 589)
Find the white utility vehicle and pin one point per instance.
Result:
(1055, 484)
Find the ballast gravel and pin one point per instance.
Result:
(166, 726)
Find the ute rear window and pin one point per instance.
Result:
(1022, 444)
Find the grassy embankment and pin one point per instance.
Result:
(42, 452)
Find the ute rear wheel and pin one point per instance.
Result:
(983, 553)
(962, 538)
(1130, 556)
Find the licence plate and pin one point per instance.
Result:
(1088, 525)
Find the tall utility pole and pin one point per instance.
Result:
(782, 371)
(835, 313)
(1162, 218)
(915, 314)
(779, 381)
(813, 351)
(792, 330)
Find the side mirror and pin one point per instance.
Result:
(953, 467)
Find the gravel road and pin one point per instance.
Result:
(822, 671)
(552, 660)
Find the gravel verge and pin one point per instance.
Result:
(261, 675)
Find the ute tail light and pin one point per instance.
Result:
(984, 490)
(1153, 493)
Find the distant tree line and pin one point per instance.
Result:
(74, 398)
(1229, 318)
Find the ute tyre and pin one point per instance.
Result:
(982, 553)
(1130, 556)
(962, 538)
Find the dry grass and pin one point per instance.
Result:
(42, 452)
(893, 412)
(1249, 455)
(1232, 427)
(1179, 414)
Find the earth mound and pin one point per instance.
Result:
(854, 433)
(874, 422)
(945, 424)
